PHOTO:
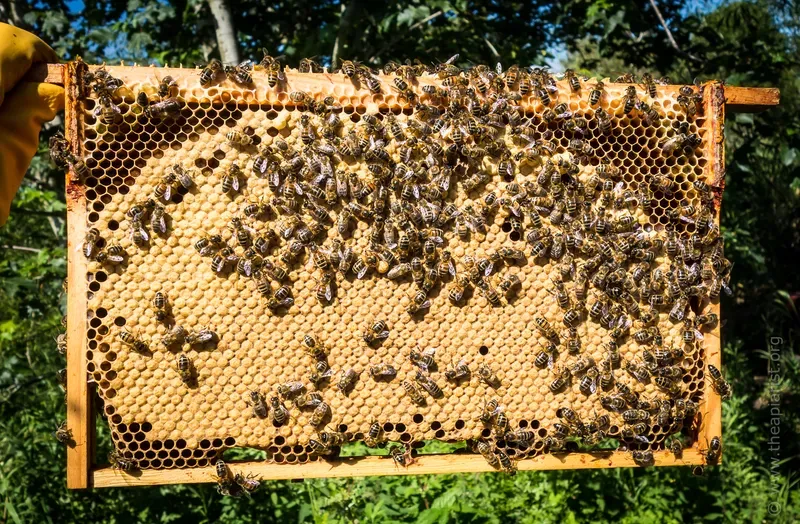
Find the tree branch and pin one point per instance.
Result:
(226, 34)
(403, 34)
(492, 48)
(345, 21)
(57, 214)
(669, 33)
(23, 248)
(12, 389)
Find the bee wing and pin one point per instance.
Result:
(168, 192)
(429, 352)
(159, 224)
(329, 292)
(361, 272)
(488, 271)
(623, 322)
(451, 267)
(593, 386)
(235, 182)
(144, 233)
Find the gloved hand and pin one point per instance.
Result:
(24, 107)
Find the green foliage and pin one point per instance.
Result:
(748, 43)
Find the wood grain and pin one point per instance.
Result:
(751, 99)
(381, 466)
(738, 99)
(711, 423)
(79, 419)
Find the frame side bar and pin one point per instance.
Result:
(715, 104)
(79, 412)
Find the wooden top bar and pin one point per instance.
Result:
(737, 99)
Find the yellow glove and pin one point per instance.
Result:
(24, 107)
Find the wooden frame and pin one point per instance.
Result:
(82, 471)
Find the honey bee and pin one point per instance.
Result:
(290, 389)
(175, 336)
(720, 385)
(211, 72)
(89, 244)
(629, 99)
(231, 180)
(349, 68)
(428, 384)
(323, 291)
(319, 448)
(710, 319)
(168, 108)
(643, 458)
(248, 484)
(241, 73)
(383, 371)
(201, 336)
(485, 449)
(596, 93)
(505, 462)
(401, 455)
(133, 342)
(158, 222)
(509, 282)
(488, 377)
(239, 139)
(322, 373)
(572, 79)
(320, 412)
(378, 331)
(423, 359)
(220, 261)
(280, 415)
(117, 461)
(308, 65)
(489, 293)
(63, 435)
(714, 451)
(347, 381)
(413, 393)
(544, 327)
(106, 109)
(314, 348)
(542, 94)
(257, 400)
(185, 369)
(561, 380)
(206, 246)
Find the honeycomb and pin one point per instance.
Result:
(159, 420)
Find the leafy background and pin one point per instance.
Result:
(751, 43)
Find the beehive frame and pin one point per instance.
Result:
(82, 472)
